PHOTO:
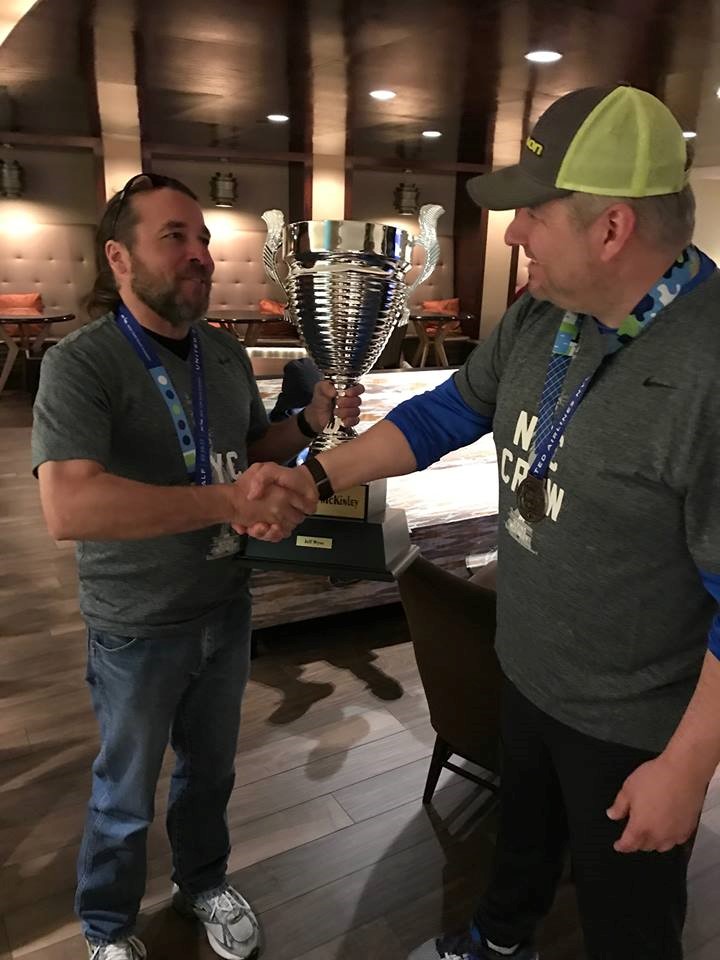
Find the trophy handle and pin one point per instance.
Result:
(428, 217)
(275, 221)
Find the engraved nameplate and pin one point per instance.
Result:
(316, 543)
(350, 503)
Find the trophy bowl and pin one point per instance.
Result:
(346, 292)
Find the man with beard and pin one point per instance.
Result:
(608, 570)
(147, 425)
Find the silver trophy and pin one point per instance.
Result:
(346, 291)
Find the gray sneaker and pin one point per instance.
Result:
(130, 949)
(231, 926)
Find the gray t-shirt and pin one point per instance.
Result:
(602, 615)
(96, 401)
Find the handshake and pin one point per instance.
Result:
(270, 500)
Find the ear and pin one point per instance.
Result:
(615, 226)
(118, 259)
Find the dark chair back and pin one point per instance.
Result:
(452, 625)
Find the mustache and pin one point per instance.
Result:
(196, 273)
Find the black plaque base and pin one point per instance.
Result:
(374, 549)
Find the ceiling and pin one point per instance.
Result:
(207, 74)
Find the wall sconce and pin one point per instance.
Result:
(12, 179)
(223, 189)
(406, 199)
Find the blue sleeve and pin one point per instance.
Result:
(712, 585)
(436, 422)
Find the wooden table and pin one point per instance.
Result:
(27, 339)
(233, 320)
(445, 322)
(451, 510)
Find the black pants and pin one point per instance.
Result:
(556, 786)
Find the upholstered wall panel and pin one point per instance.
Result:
(240, 280)
(55, 261)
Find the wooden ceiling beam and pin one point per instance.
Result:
(417, 166)
(50, 141)
(178, 151)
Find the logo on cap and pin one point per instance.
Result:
(534, 146)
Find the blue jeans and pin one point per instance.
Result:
(187, 689)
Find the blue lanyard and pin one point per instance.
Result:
(689, 270)
(545, 451)
(195, 450)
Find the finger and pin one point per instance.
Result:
(326, 389)
(289, 518)
(271, 475)
(631, 841)
(276, 533)
(239, 529)
(649, 846)
(300, 494)
(620, 807)
(260, 481)
(350, 419)
(258, 530)
(301, 505)
(665, 847)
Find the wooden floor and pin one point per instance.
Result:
(331, 842)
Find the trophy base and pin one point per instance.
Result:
(374, 549)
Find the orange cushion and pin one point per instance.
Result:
(442, 306)
(272, 307)
(29, 303)
(21, 305)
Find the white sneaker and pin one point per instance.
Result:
(231, 926)
(130, 949)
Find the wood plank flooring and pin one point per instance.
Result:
(331, 842)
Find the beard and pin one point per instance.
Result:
(167, 298)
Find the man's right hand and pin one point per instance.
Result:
(275, 513)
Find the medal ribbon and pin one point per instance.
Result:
(195, 449)
(689, 270)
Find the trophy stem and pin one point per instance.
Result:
(332, 436)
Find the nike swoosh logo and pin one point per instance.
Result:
(654, 382)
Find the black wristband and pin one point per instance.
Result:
(304, 427)
(322, 481)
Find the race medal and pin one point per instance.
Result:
(532, 499)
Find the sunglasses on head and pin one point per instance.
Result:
(149, 181)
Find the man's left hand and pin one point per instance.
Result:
(326, 403)
(662, 803)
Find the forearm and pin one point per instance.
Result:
(107, 507)
(281, 442)
(695, 745)
(382, 451)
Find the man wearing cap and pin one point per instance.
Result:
(599, 386)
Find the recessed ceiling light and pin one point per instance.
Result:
(278, 118)
(382, 94)
(543, 56)
(689, 134)
(432, 134)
